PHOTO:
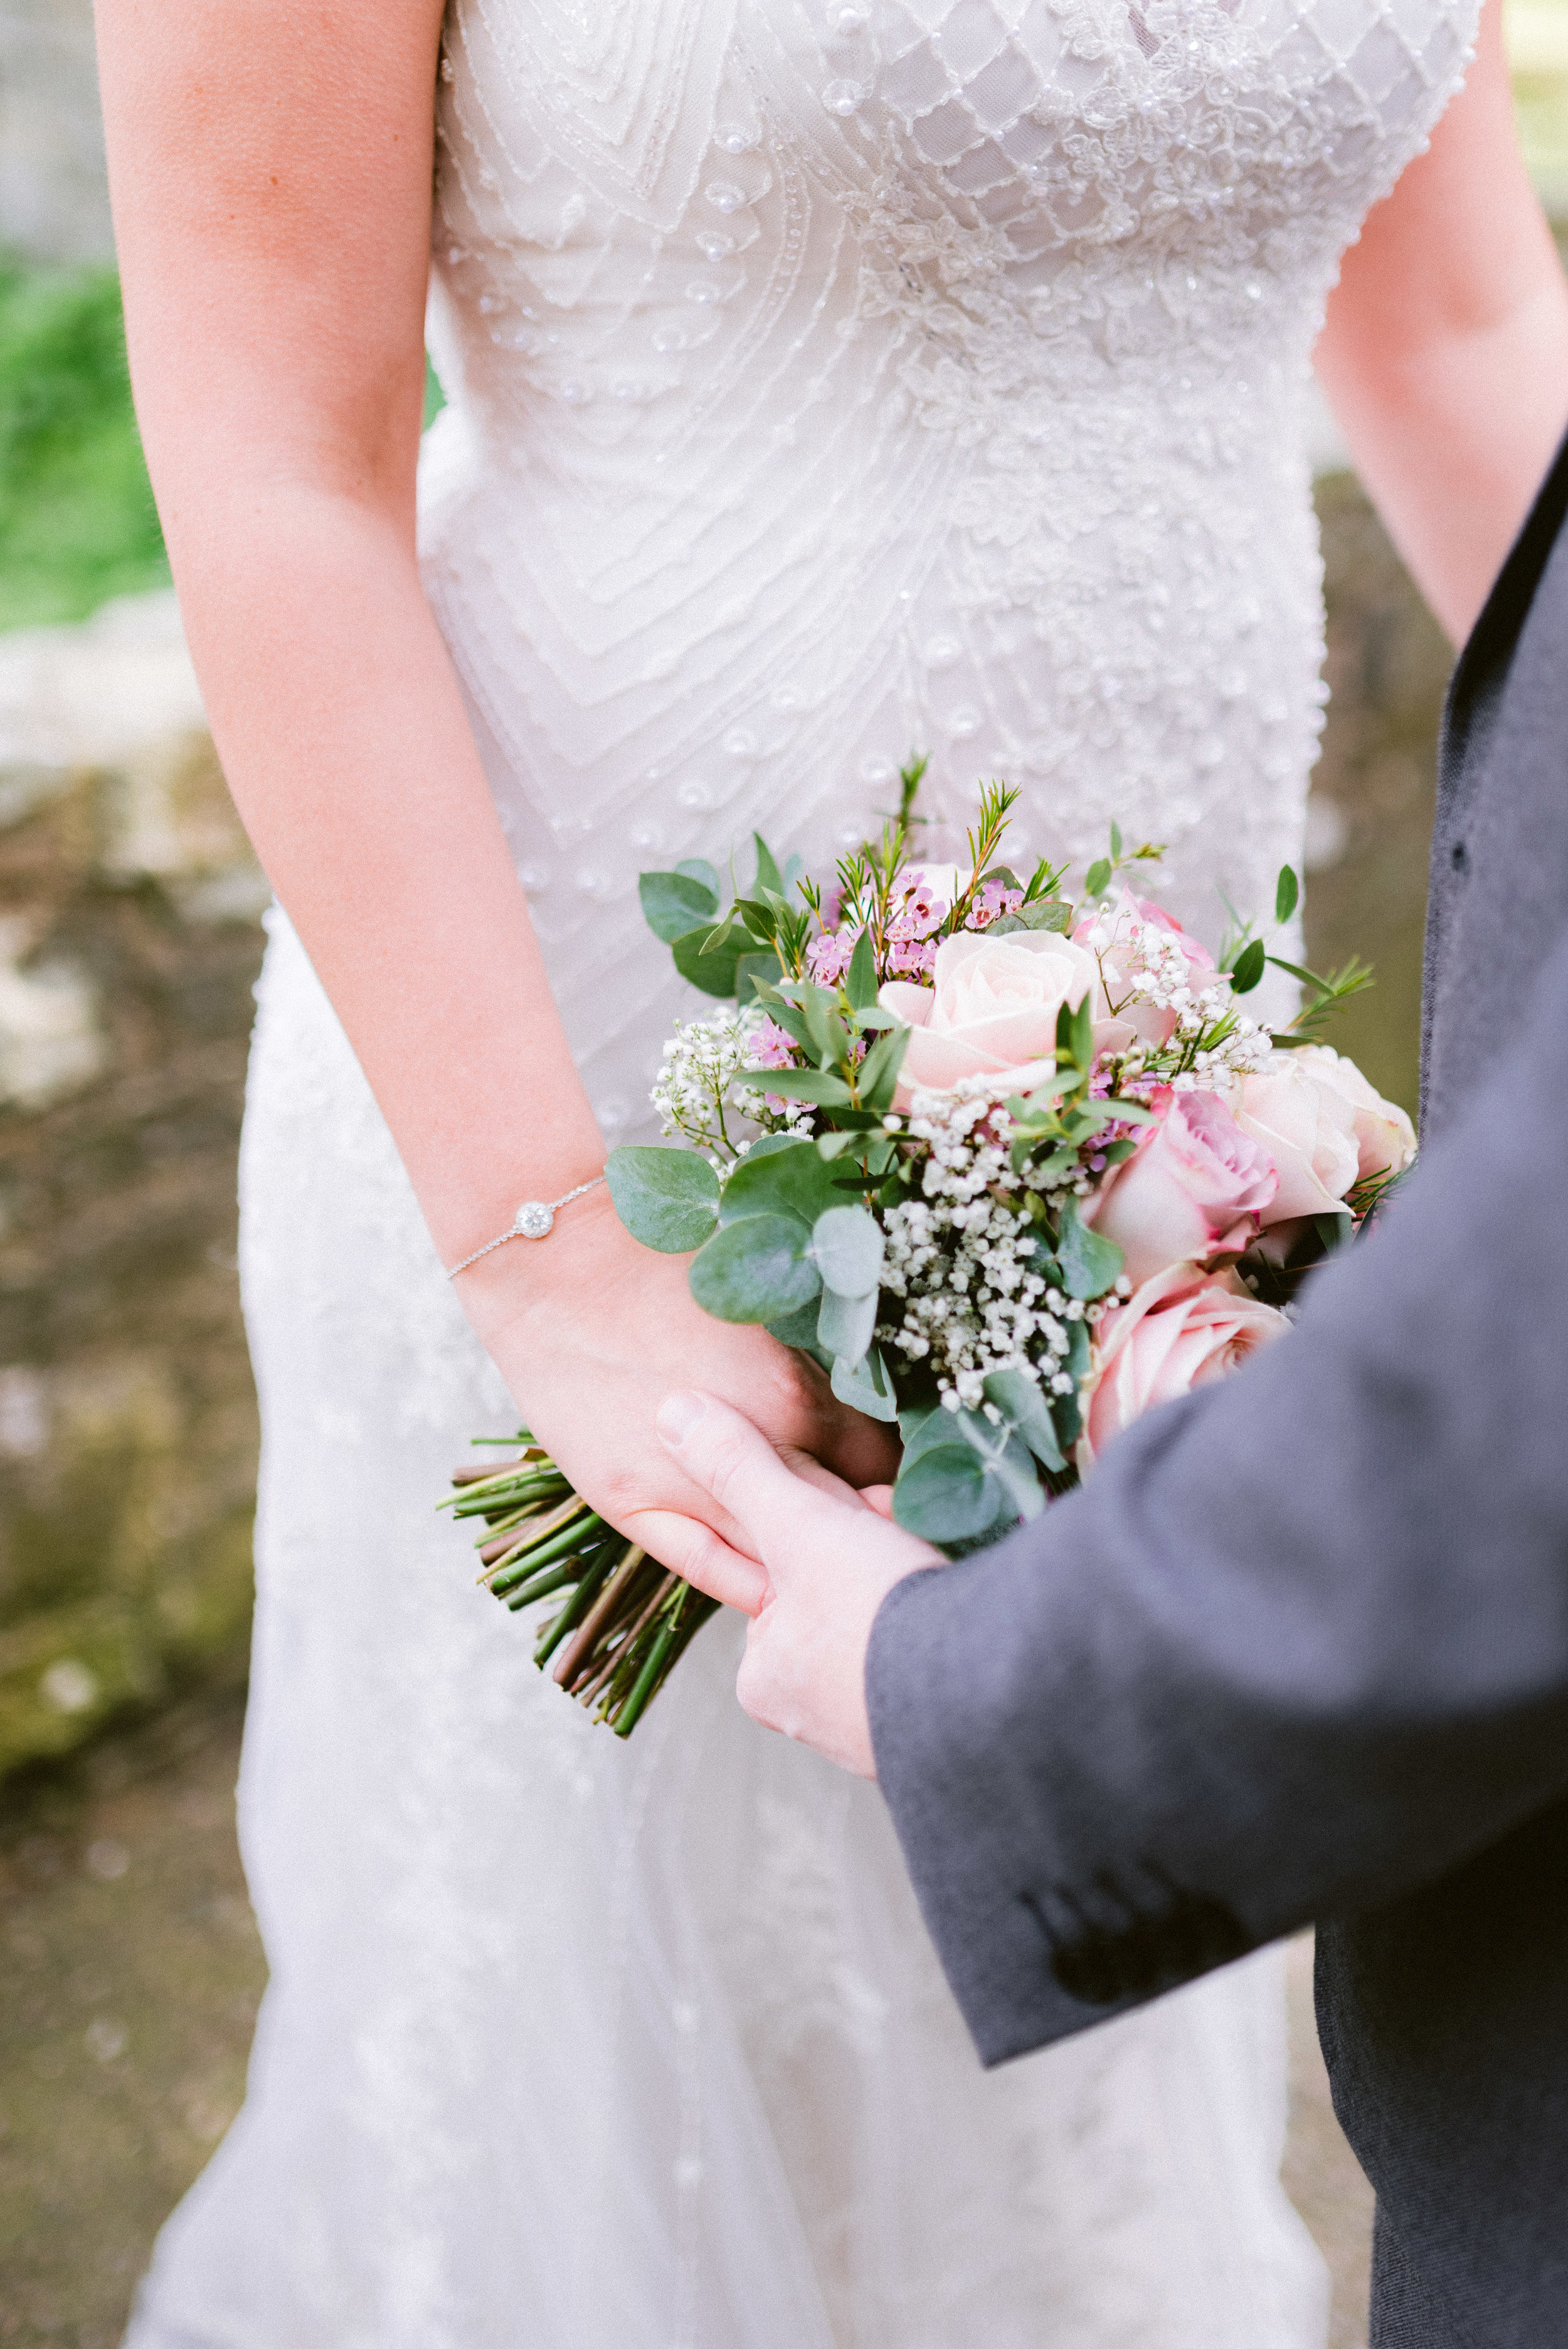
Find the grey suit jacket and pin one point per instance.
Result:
(1300, 1650)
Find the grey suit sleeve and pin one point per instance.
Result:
(1302, 1642)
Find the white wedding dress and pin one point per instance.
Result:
(828, 381)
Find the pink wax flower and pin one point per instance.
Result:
(827, 957)
(908, 955)
(771, 1048)
(1197, 1186)
(1181, 1330)
(993, 899)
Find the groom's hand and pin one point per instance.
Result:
(828, 1555)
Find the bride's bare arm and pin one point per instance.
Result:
(271, 167)
(1445, 353)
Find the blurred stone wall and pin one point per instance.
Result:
(54, 200)
(128, 945)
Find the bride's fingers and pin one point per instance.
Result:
(810, 1471)
(694, 1550)
(860, 1450)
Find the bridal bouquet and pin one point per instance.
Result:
(1011, 1165)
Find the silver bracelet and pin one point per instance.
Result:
(534, 1220)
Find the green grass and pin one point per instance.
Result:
(77, 518)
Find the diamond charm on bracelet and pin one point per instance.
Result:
(534, 1220)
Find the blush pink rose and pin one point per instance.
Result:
(1308, 1129)
(1385, 1138)
(1181, 1330)
(1197, 1186)
(991, 1009)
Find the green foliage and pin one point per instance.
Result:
(1027, 1413)
(865, 1386)
(78, 523)
(668, 1199)
(1325, 996)
(848, 1245)
(1248, 966)
(756, 1270)
(963, 1478)
(674, 903)
(791, 1179)
(1090, 1265)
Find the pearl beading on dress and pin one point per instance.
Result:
(831, 382)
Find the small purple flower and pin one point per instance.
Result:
(994, 900)
(773, 1048)
(828, 957)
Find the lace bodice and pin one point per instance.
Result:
(833, 380)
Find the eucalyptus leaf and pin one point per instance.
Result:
(946, 1495)
(668, 1199)
(923, 1425)
(697, 868)
(1090, 1264)
(1045, 913)
(1006, 1459)
(1286, 894)
(752, 971)
(865, 1386)
(768, 874)
(674, 902)
(755, 1269)
(846, 1325)
(798, 1329)
(1097, 879)
(712, 968)
(847, 1244)
(1027, 1413)
(780, 1176)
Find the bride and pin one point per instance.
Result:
(828, 378)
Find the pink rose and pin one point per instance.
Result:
(1308, 1129)
(1181, 1330)
(1197, 1186)
(1198, 956)
(991, 1010)
(1385, 1138)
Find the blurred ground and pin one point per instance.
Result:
(130, 1972)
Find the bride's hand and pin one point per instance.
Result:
(591, 1330)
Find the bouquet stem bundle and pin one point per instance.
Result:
(625, 1621)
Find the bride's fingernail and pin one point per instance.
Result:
(679, 1413)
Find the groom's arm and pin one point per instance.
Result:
(1302, 1640)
